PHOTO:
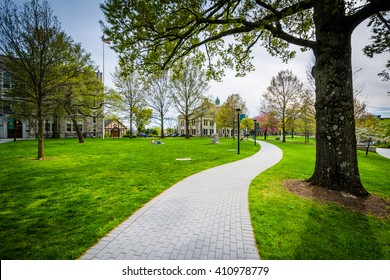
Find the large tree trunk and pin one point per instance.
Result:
(187, 121)
(131, 122)
(283, 128)
(162, 125)
(56, 132)
(78, 130)
(41, 138)
(336, 157)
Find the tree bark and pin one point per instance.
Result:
(78, 130)
(131, 122)
(336, 156)
(283, 127)
(187, 121)
(162, 125)
(41, 138)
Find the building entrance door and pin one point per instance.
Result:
(14, 128)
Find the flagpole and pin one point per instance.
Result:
(103, 87)
(103, 90)
(104, 41)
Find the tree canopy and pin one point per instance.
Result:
(40, 57)
(154, 34)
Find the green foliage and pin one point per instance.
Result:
(155, 34)
(46, 66)
(284, 97)
(287, 226)
(370, 127)
(189, 87)
(58, 208)
(142, 118)
(227, 115)
(178, 28)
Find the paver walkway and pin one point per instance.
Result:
(383, 152)
(204, 216)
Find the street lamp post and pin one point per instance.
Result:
(254, 120)
(238, 129)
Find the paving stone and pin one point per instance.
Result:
(205, 216)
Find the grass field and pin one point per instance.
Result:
(59, 207)
(287, 226)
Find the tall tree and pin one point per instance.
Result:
(142, 118)
(156, 34)
(283, 96)
(227, 114)
(130, 90)
(189, 87)
(83, 94)
(35, 49)
(159, 97)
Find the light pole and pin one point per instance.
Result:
(238, 129)
(254, 120)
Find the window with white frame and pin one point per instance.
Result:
(71, 128)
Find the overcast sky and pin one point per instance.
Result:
(80, 20)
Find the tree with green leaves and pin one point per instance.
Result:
(247, 124)
(131, 92)
(159, 97)
(307, 113)
(283, 96)
(142, 118)
(36, 54)
(227, 114)
(155, 34)
(82, 95)
(189, 88)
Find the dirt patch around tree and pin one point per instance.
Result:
(372, 204)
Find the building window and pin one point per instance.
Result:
(7, 80)
(205, 122)
(80, 124)
(47, 126)
(69, 126)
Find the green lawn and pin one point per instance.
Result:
(289, 227)
(59, 207)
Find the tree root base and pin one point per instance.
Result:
(372, 204)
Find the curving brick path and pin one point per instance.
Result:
(204, 216)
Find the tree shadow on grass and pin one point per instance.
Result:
(332, 232)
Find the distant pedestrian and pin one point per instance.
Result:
(152, 141)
